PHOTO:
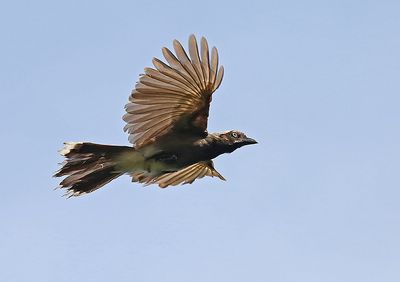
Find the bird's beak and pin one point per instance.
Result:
(249, 141)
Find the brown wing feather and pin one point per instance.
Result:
(195, 58)
(184, 176)
(173, 97)
(205, 61)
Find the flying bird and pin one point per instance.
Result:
(166, 119)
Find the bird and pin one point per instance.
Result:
(166, 120)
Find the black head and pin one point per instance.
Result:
(235, 139)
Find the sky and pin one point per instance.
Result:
(316, 83)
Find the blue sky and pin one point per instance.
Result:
(315, 82)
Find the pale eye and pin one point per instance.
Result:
(234, 135)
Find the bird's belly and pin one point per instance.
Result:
(175, 159)
(136, 161)
(167, 156)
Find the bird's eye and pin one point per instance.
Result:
(234, 135)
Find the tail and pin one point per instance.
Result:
(88, 166)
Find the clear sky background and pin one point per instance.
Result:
(317, 83)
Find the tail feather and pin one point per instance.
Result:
(88, 166)
(73, 165)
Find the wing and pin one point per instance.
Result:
(173, 97)
(183, 176)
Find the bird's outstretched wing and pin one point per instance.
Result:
(174, 97)
(183, 176)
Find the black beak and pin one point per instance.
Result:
(248, 141)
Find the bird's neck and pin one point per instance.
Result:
(213, 146)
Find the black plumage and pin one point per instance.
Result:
(166, 118)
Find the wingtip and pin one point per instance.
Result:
(177, 43)
(219, 175)
(192, 41)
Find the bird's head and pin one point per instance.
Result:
(235, 139)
